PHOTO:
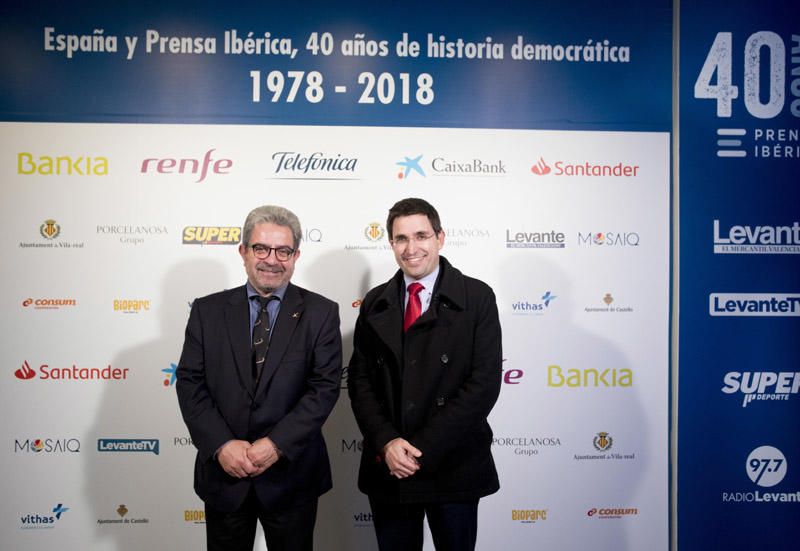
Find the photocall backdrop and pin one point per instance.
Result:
(135, 139)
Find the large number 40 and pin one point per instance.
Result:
(719, 61)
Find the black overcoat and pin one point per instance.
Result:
(433, 386)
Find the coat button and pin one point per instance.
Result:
(444, 358)
(410, 406)
(440, 401)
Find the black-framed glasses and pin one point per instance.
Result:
(403, 240)
(262, 252)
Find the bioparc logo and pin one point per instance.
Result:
(72, 373)
(584, 168)
(212, 235)
(130, 234)
(535, 308)
(40, 521)
(754, 304)
(199, 167)
(131, 306)
(766, 466)
(47, 445)
(48, 303)
(757, 239)
(290, 165)
(761, 386)
(528, 516)
(194, 516)
(134, 445)
(612, 512)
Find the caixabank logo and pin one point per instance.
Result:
(170, 375)
(587, 169)
(43, 520)
(766, 467)
(761, 386)
(47, 372)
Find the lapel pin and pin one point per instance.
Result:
(296, 315)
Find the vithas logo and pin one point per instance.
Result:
(25, 372)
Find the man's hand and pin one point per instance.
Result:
(263, 454)
(401, 458)
(234, 461)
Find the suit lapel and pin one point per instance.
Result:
(288, 317)
(237, 320)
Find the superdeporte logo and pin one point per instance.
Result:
(766, 466)
(762, 386)
(584, 168)
(754, 304)
(212, 235)
(39, 521)
(141, 445)
(757, 239)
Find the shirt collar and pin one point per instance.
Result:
(428, 281)
(279, 292)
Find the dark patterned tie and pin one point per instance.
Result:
(261, 337)
(414, 306)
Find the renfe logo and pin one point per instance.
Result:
(193, 166)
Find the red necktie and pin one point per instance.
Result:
(414, 306)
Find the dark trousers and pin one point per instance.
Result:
(287, 530)
(454, 526)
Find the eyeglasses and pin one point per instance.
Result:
(262, 252)
(403, 240)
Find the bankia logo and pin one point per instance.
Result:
(589, 377)
(193, 166)
(613, 169)
(409, 166)
(291, 165)
(766, 467)
(608, 239)
(551, 239)
(40, 521)
(48, 303)
(61, 165)
(47, 445)
(212, 235)
(535, 308)
(754, 304)
(135, 445)
(756, 239)
(761, 386)
(72, 373)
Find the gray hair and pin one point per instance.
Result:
(272, 214)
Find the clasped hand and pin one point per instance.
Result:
(240, 458)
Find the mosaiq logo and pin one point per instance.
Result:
(290, 165)
(47, 445)
(608, 239)
(761, 386)
(756, 239)
(766, 467)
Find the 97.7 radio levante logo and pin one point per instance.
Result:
(764, 91)
(766, 467)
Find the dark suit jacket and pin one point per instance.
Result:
(297, 390)
(433, 386)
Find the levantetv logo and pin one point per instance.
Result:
(762, 386)
(146, 445)
(757, 239)
(39, 521)
(754, 304)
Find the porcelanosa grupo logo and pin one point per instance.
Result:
(761, 386)
(526, 445)
(72, 373)
(40, 521)
(756, 239)
(766, 467)
(408, 166)
(291, 165)
(585, 169)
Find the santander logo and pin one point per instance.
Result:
(540, 168)
(25, 372)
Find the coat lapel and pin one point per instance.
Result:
(387, 317)
(288, 317)
(237, 320)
